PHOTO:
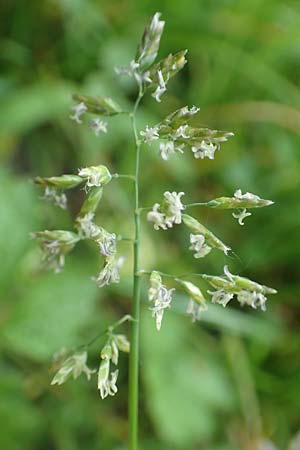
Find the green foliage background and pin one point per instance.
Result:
(224, 383)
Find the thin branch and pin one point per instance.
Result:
(120, 175)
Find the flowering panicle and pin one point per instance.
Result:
(74, 365)
(177, 135)
(110, 354)
(161, 296)
(247, 291)
(168, 213)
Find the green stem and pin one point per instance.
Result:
(121, 175)
(189, 205)
(109, 329)
(125, 318)
(134, 341)
(168, 275)
(210, 203)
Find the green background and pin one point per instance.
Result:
(231, 381)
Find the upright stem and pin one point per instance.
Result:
(135, 325)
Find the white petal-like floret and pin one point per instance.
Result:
(54, 195)
(111, 271)
(157, 218)
(221, 296)
(199, 246)
(161, 88)
(247, 292)
(107, 382)
(160, 296)
(98, 126)
(150, 134)
(173, 207)
(241, 215)
(195, 310)
(204, 150)
(169, 213)
(74, 365)
(79, 110)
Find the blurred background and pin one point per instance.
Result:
(231, 381)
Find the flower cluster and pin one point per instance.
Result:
(79, 110)
(202, 240)
(251, 200)
(197, 303)
(88, 229)
(240, 202)
(96, 125)
(134, 71)
(163, 71)
(74, 366)
(110, 273)
(153, 77)
(107, 242)
(247, 292)
(177, 135)
(95, 176)
(199, 246)
(168, 213)
(55, 245)
(52, 194)
(102, 106)
(107, 380)
(160, 296)
(86, 226)
(149, 45)
(55, 186)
